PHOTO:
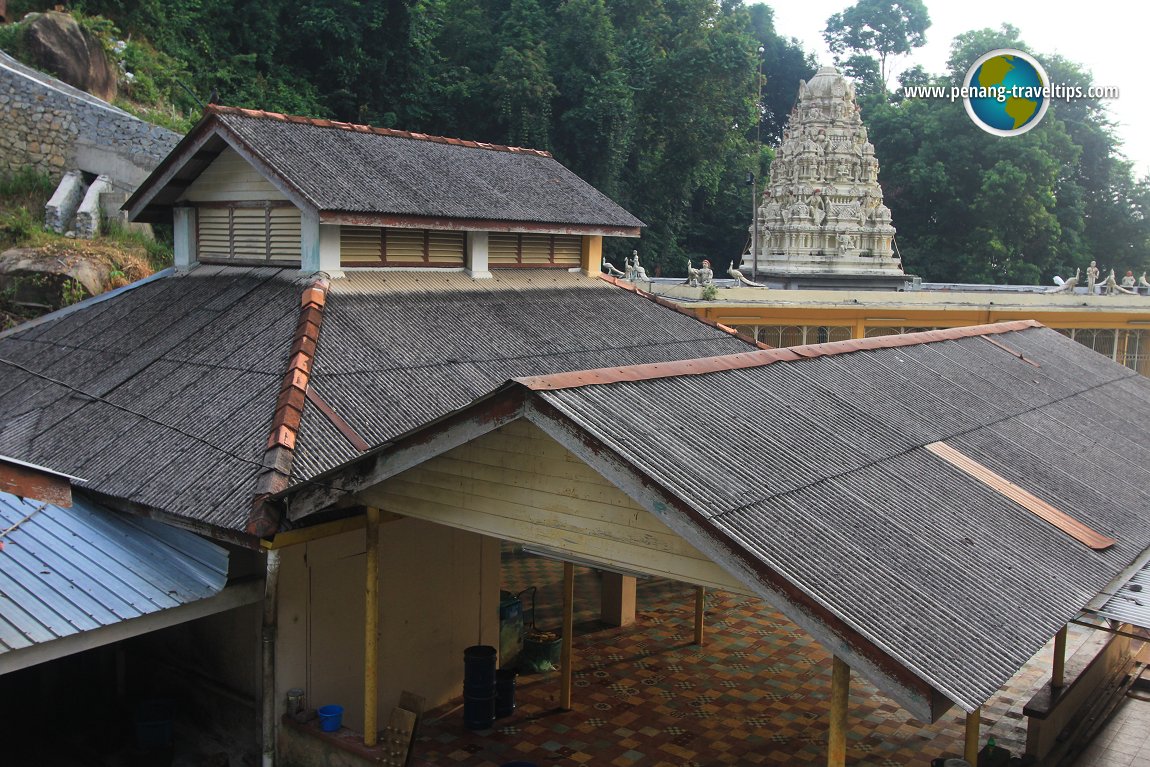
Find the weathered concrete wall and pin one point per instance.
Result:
(53, 127)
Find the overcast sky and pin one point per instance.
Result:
(1106, 38)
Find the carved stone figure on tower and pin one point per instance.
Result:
(823, 197)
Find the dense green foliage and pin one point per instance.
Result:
(972, 207)
(654, 102)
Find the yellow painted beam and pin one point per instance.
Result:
(566, 654)
(371, 631)
(700, 613)
(1058, 671)
(315, 532)
(973, 722)
(837, 733)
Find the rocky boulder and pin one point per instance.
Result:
(57, 44)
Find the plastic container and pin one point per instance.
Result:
(478, 713)
(505, 693)
(330, 718)
(479, 670)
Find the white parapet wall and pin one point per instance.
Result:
(61, 209)
(88, 215)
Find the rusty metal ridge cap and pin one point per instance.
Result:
(631, 288)
(279, 452)
(650, 371)
(259, 114)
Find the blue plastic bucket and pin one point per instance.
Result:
(330, 718)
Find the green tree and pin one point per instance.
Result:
(521, 79)
(882, 28)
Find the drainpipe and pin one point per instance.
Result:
(271, 586)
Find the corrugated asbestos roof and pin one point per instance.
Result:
(179, 376)
(826, 481)
(342, 168)
(64, 571)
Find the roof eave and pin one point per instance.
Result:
(192, 148)
(406, 221)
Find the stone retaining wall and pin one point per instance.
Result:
(52, 127)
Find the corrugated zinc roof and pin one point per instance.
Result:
(64, 571)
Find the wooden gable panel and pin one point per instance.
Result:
(518, 484)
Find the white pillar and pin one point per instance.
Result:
(319, 244)
(309, 241)
(184, 235)
(476, 256)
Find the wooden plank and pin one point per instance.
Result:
(561, 512)
(589, 545)
(567, 482)
(562, 466)
(566, 657)
(1024, 498)
(230, 177)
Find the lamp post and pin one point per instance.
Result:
(757, 166)
(751, 182)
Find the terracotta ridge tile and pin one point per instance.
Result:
(761, 358)
(263, 518)
(219, 109)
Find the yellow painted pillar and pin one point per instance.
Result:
(1058, 672)
(591, 255)
(371, 632)
(858, 330)
(973, 722)
(840, 694)
(565, 658)
(700, 613)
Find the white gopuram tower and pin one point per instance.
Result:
(822, 223)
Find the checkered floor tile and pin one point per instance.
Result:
(755, 694)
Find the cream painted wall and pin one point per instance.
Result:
(439, 593)
(230, 178)
(518, 484)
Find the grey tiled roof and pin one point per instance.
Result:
(343, 169)
(163, 395)
(834, 489)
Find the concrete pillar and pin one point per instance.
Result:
(319, 244)
(591, 256)
(184, 235)
(617, 599)
(329, 249)
(309, 241)
(476, 256)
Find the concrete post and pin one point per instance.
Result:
(184, 235)
(617, 599)
(476, 256)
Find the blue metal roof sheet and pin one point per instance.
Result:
(68, 570)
